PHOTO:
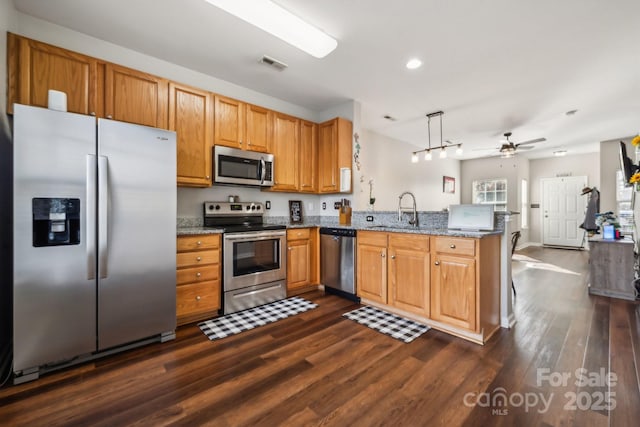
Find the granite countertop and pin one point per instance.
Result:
(186, 231)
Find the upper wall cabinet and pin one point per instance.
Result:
(308, 157)
(258, 122)
(191, 117)
(36, 67)
(334, 153)
(135, 97)
(285, 148)
(229, 122)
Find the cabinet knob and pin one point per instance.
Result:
(93, 113)
(198, 274)
(109, 116)
(199, 258)
(198, 243)
(208, 177)
(289, 248)
(452, 246)
(393, 257)
(437, 263)
(383, 255)
(197, 297)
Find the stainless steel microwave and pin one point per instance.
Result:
(240, 167)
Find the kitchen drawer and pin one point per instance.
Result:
(410, 241)
(197, 298)
(455, 245)
(298, 234)
(191, 243)
(197, 274)
(373, 238)
(194, 258)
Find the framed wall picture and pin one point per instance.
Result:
(448, 184)
(295, 211)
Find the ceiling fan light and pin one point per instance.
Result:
(414, 158)
(279, 22)
(427, 155)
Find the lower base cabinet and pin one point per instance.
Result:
(198, 278)
(302, 258)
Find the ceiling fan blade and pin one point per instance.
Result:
(526, 147)
(532, 141)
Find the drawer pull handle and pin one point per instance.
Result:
(198, 243)
(452, 246)
(437, 263)
(199, 258)
(198, 274)
(198, 298)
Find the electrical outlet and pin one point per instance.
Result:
(267, 204)
(336, 205)
(369, 218)
(324, 206)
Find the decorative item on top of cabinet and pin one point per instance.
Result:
(198, 278)
(465, 283)
(285, 149)
(191, 117)
(35, 67)
(135, 97)
(302, 259)
(335, 150)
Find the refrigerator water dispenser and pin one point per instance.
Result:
(56, 221)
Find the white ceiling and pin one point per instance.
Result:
(491, 65)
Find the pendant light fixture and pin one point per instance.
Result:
(428, 155)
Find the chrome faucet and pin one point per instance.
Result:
(414, 220)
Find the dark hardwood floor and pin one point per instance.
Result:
(318, 368)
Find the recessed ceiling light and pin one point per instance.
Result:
(281, 23)
(560, 153)
(414, 63)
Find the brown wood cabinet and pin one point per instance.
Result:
(258, 127)
(191, 117)
(465, 283)
(371, 270)
(308, 157)
(229, 123)
(35, 67)
(409, 268)
(302, 258)
(335, 150)
(135, 97)
(198, 278)
(393, 269)
(285, 147)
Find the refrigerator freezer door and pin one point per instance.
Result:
(137, 274)
(54, 294)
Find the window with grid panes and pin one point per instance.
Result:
(491, 192)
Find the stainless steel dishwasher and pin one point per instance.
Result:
(338, 261)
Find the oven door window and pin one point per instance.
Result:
(255, 256)
(237, 167)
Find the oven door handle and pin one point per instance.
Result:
(243, 237)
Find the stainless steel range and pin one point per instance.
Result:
(254, 261)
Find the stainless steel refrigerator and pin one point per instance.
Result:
(94, 221)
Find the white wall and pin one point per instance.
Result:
(388, 163)
(578, 165)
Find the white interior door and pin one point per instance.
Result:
(563, 210)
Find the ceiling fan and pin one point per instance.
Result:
(509, 148)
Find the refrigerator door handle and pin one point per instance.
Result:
(103, 220)
(90, 220)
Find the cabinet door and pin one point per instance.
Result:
(409, 273)
(453, 291)
(328, 157)
(229, 123)
(371, 273)
(136, 97)
(308, 157)
(191, 117)
(298, 263)
(285, 148)
(35, 67)
(258, 128)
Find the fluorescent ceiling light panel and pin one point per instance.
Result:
(281, 23)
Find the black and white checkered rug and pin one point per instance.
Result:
(237, 322)
(387, 323)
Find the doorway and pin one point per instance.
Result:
(563, 210)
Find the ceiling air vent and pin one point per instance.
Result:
(272, 62)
